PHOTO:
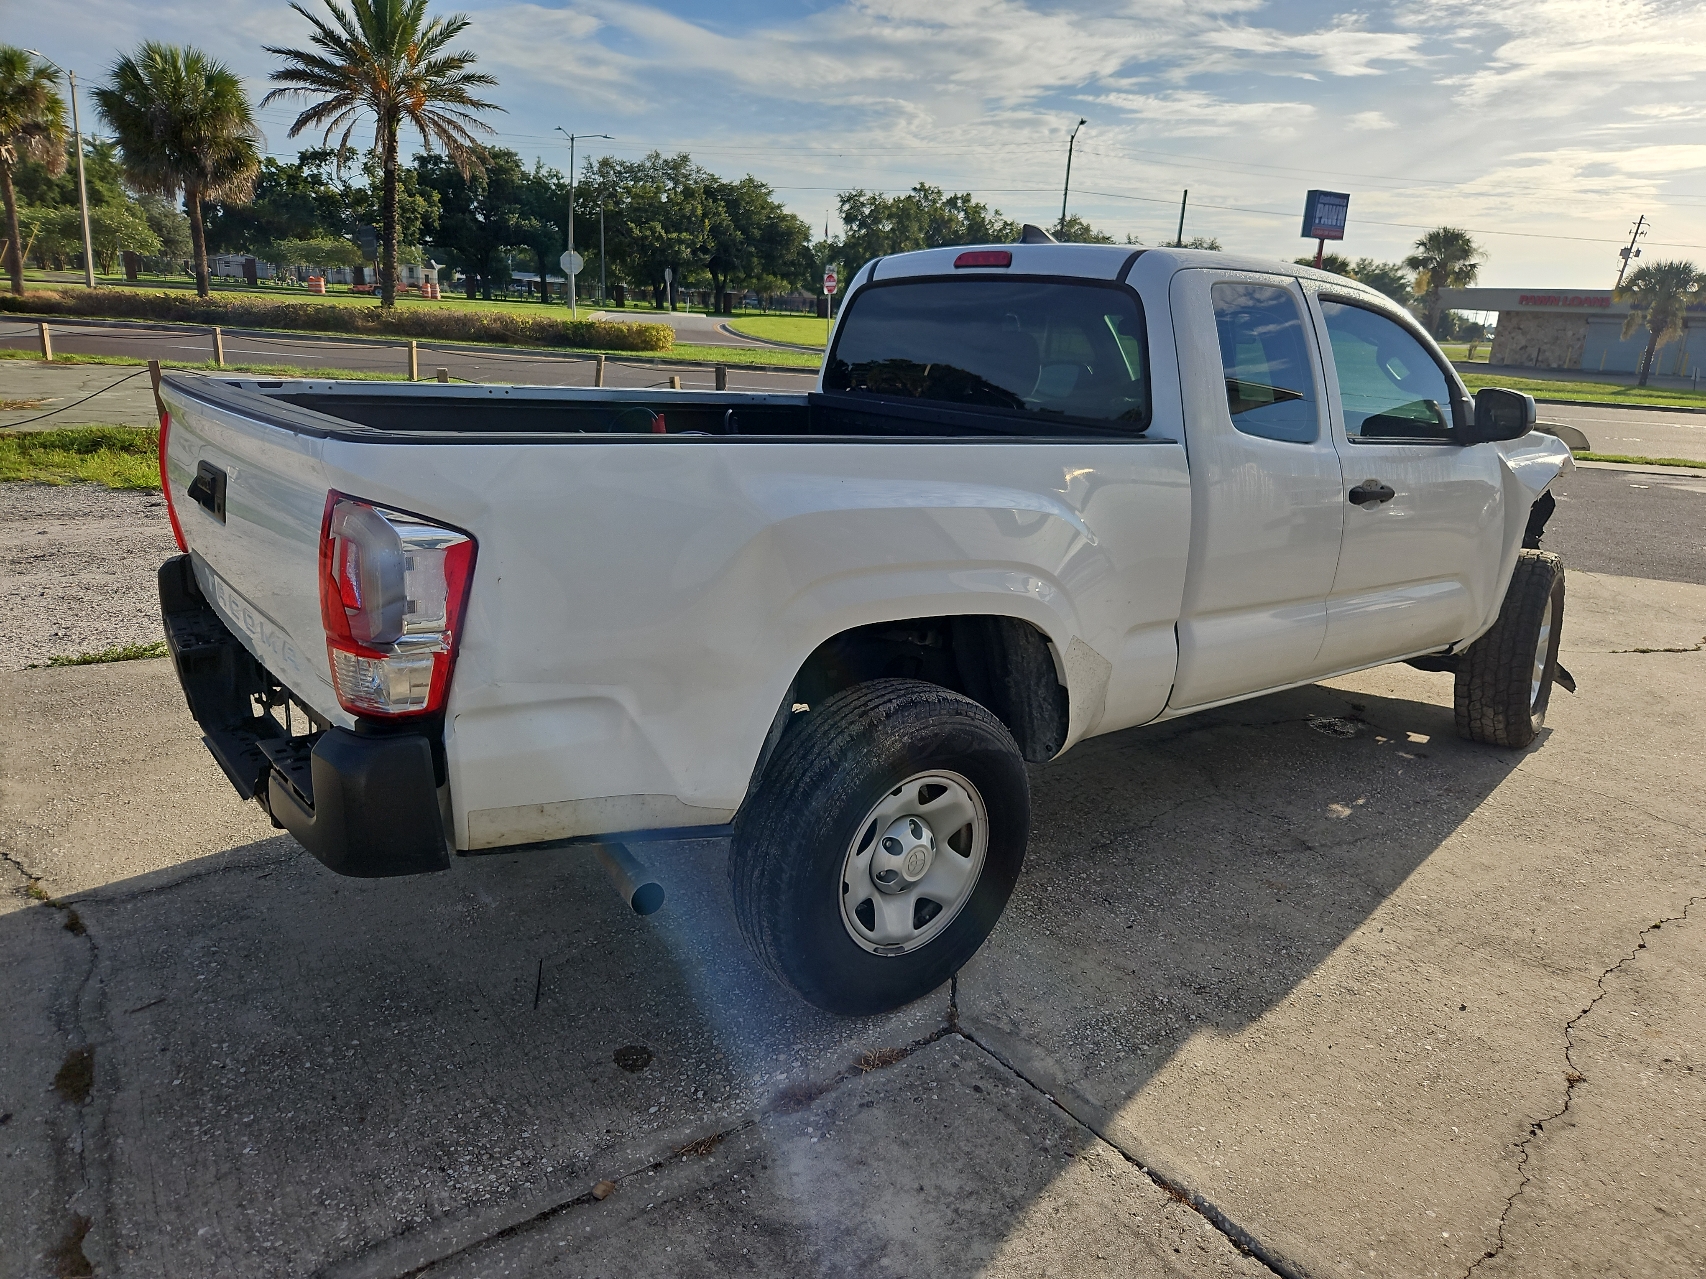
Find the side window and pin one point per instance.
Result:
(1265, 355)
(1390, 386)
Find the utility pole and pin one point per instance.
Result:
(1179, 240)
(1066, 187)
(82, 187)
(603, 297)
(1631, 252)
(572, 137)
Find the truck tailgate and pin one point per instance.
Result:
(253, 529)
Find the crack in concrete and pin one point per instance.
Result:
(1572, 1077)
(789, 1101)
(1240, 1238)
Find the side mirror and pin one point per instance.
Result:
(1500, 414)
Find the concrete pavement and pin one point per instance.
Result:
(1372, 999)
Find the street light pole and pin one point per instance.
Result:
(1067, 186)
(572, 137)
(82, 187)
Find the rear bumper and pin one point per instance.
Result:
(365, 803)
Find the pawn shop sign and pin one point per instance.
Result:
(829, 282)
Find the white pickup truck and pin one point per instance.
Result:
(1042, 492)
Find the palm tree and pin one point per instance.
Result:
(1445, 258)
(32, 127)
(183, 123)
(1659, 294)
(385, 57)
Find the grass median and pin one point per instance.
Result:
(1595, 392)
(119, 457)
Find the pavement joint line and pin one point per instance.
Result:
(1615, 799)
(1572, 1077)
(1176, 1188)
(366, 1265)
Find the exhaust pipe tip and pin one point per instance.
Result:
(632, 880)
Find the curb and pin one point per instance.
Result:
(1607, 404)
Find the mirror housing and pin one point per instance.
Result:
(1500, 414)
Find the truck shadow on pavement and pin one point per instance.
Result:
(295, 1073)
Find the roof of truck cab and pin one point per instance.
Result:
(1088, 261)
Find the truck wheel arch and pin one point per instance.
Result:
(1005, 664)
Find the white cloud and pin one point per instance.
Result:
(1370, 121)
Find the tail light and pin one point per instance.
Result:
(166, 485)
(393, 588)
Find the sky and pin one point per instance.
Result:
(1545, 127)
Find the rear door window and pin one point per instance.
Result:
(1264, 352)
(1072, 353)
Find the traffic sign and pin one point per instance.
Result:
(829, 281)
(572, 263)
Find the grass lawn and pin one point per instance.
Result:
(1598, 392)
(120, 457)
(1641, 461)
(801, 330)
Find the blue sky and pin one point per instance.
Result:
(1545, 126)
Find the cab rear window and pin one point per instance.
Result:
(1064, 351)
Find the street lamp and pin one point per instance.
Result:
(1067, 185)
(571, 137)
(82, 188)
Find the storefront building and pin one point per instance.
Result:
(1575, 329)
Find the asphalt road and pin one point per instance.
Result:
(1632, 523)
(465, 363)
(1634, 432)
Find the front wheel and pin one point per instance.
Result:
(882, 844)
(1504, 680)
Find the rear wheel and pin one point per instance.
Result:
(882, 845)
(1504, 681)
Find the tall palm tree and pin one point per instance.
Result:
(1445, 258)
(183, 123)
(1660, 294)
(385, 57)
(32, 127)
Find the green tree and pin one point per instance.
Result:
(1445, 258)
(183, 123)
(302, 198)
(1075, 230)
(113, 229)
(924, 218)
(386, 58)
(169, 225)
(1659, 295)
(478, 214)
(1389, 278)
(32, 126)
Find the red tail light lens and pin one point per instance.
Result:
(166, 485)
(984, 257)
(393, 588)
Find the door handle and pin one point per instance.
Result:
(1371, 493)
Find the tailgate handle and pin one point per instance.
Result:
(208, 488)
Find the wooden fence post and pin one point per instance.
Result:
(443, 375)
(154, 377)
(218, 348)
(46, 342)
(675, 381)
(598, 376)
(414, 360)
(722, 377)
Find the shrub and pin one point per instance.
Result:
(447, 325)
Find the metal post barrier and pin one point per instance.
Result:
(414, 361)
(218, 348)
(46, 342)
(722, 377)
(675, 381)
(598, 375)
(443, 375)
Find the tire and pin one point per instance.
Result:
(1504, 681)
(806, 842)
